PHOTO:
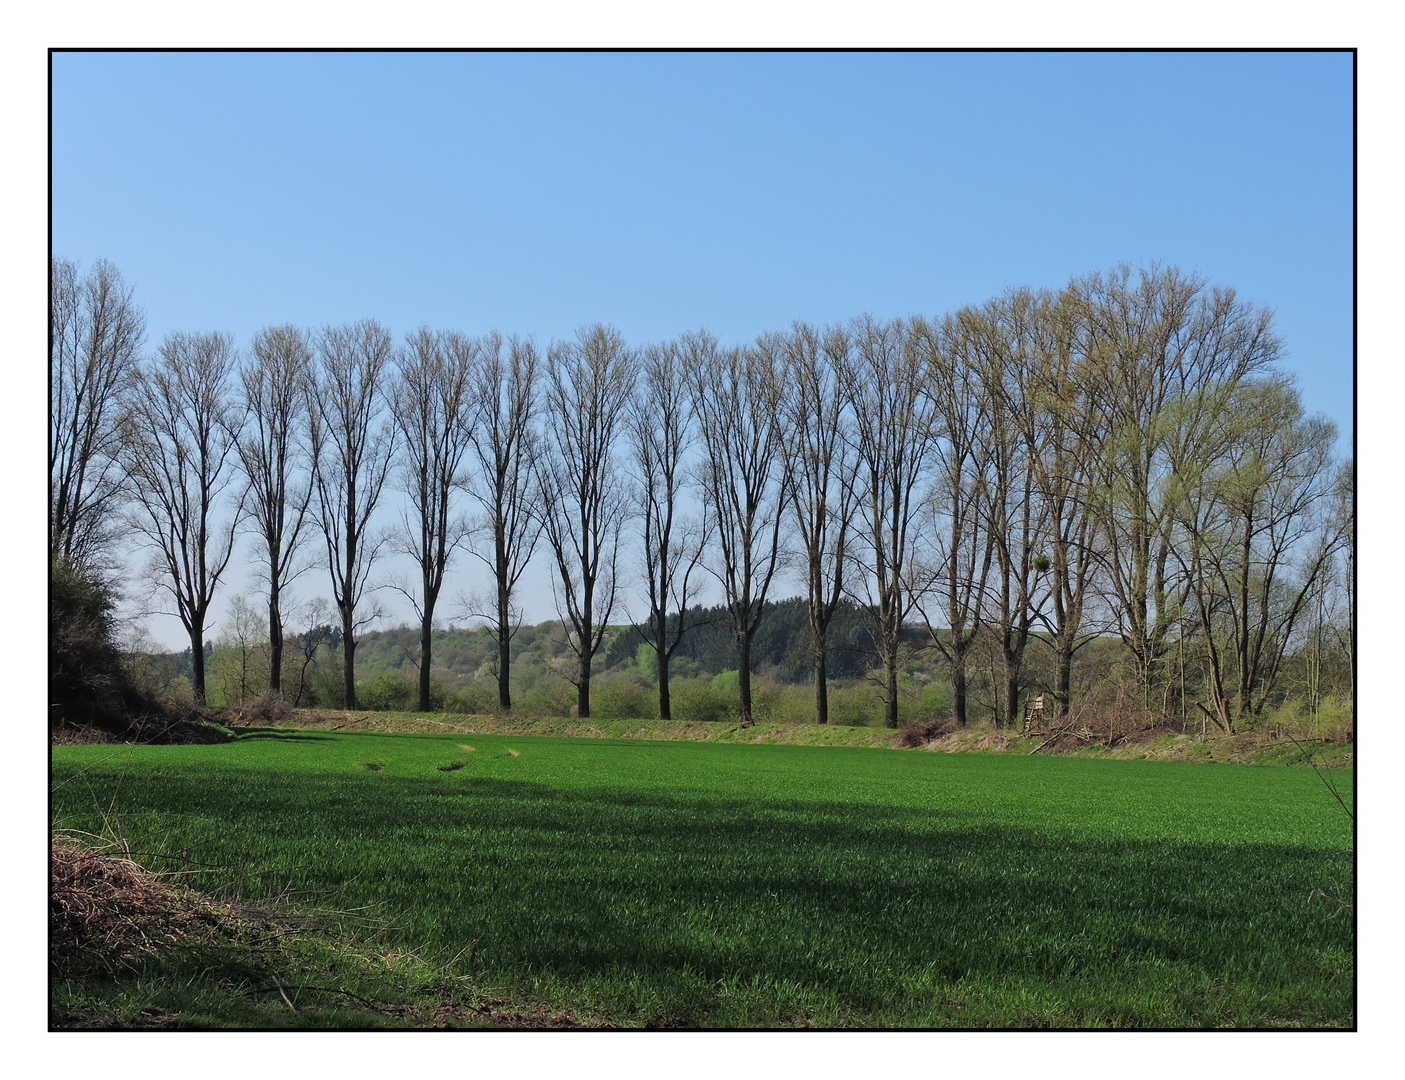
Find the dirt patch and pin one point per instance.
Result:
(465, 746)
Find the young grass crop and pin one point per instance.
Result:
(713, 884)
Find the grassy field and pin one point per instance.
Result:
(717, 884)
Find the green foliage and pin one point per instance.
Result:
(88, 685)
(473, 698)
(326, 686)
(239, 665)
(552, 696)
(929, 701)
(671, 882)
(860, 705)
(623, 696)
(697, 701)
(388, 691)
(646, 658)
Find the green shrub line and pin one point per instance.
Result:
(1259, 746)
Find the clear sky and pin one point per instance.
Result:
(534, 193)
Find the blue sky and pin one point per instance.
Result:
(534, 193)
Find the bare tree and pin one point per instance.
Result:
(180, 435)
(821, 462)
(583, 497)
(895, 424)
(660, 433)
(964, 546)
(95, 334)
(433, 407)
(735, 394)
(273, 453)
(505, 444)
(1065, 386)
(1002, 339)
(353, 444)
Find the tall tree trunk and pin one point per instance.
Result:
(665, 703)
(583, 689)
(504, 634)
(890, 705)
(958, 687)
(348, 654)
(1063, 677)
(425, 650)
(821, 685)
(661, 655)
(504, 658)
(197, 660)
(1012, 697)
(275, 641)
(744, 678)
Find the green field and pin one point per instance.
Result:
(707, 884)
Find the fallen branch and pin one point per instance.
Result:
(1327, 783)
(279, 988)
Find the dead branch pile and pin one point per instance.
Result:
(922, 732)
(108, 913)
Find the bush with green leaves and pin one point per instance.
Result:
(87, 683)
(473, 698)
(697, 701)
(623, 697)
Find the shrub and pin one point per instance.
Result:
(696, 701)
(1334, 720)
(85, 670)
(794, 705)
(623, 697)
(266, 710)
(325, 687)
(389, 691)
(473, 698)
(932, 700)
(860, 705)
(89, 686)
(549, 697)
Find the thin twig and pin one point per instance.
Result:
(319, 989)
(281, 992)
(1327, 783)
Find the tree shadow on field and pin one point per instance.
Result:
(854, 900)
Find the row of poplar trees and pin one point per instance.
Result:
(1122, 455)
